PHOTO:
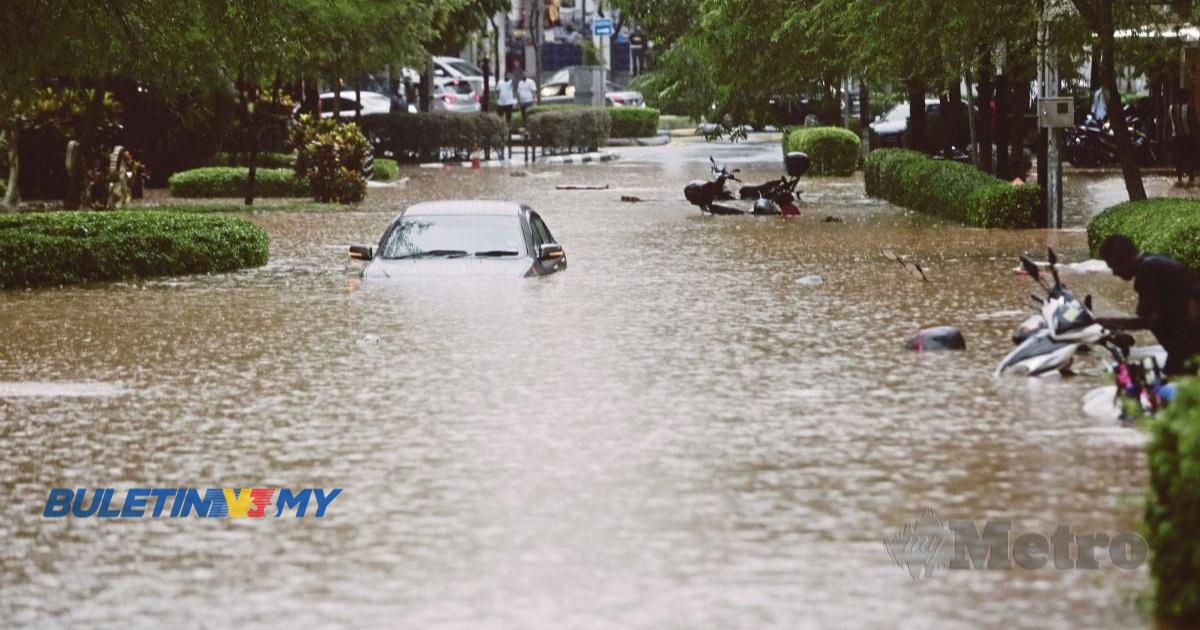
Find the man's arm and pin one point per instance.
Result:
(1126, 323)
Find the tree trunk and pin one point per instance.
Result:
(916, 115)
(12, 196)
(357, 99)
(972, 107)
(426, 96)
(1116, 113)
(986, 92)
(864, 115)
(91, 120)
(1002, 93)
(955, 101)
(946, 124)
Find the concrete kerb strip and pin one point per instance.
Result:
(584, 158)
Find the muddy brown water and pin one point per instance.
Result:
(677, 432)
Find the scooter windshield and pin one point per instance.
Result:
(1070, 314)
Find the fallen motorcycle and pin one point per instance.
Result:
(1064, 327)
(775, 197)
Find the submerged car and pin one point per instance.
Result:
(459, 238)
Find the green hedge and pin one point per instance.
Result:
(385, 170)
(634, 122)
(582, 128)
(951, 190)
(833, 150)
(428, 136)
(1162, 226)
(1172, 512)
(266, 159)
(230, 181)
(53, 248)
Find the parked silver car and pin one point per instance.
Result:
(454, 95)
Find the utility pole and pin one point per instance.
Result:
(1048, 89)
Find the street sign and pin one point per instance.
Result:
(1056, 112)
(602, 27)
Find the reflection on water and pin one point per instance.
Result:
(677, 432)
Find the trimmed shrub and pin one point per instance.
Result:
(331, 156)
(553, 107)
(833, 150)
(431, 136)
(583, 128)
(385, 170)
(266, 159)
(634, 122)
(53, 248)
(1172, 514)
(954, 191)
(230, 181)
(1161, 226)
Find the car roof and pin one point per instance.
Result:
(464, 207)
(349, 94)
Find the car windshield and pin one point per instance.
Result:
(455, 235)
(562, 76)
(465, 68)
(454, 88)
(898, 113)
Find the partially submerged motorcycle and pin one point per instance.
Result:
(1064, 327)
(776, 197)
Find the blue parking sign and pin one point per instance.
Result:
(602, 27)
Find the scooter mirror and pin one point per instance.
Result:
(1087, 301)
(1031, 268)
(1051, 256)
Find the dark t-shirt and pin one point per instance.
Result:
(1170, 292)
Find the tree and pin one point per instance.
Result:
(1098, 14)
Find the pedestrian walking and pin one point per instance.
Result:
(1183, 137)
(526, 91)
(506, 98)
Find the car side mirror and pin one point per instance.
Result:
(362, 252)
(550, 251)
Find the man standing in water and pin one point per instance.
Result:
(1168, 300)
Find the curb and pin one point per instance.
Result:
(584, 158)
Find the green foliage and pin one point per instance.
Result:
(958, 192)
(53, 248)
(331, 156)
(1172, 514)
(552, 107)
(583, 128)
(1161, 226)
(230, 181)
(833, 150)
(266, 159)
(426, 136)
(634, 122)
(385, 170)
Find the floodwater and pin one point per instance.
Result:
(677, 432)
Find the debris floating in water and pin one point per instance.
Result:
(937, 338)
(911, 268)
(811, 281)
(580, 187)
(631, 199)
(833, 219)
